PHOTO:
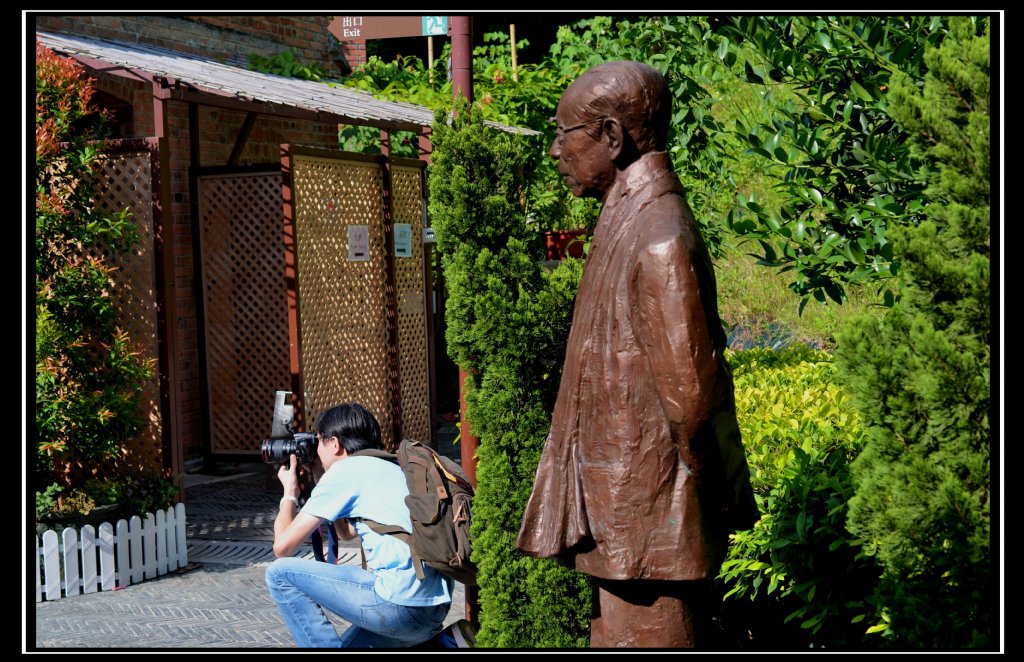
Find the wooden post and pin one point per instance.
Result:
(390, 293)
(291, 279)
(167, 307)
(430, 59)
(425, 148)
(462, 83)
(462, 57)
(512, 35)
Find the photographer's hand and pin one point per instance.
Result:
(291, 527)
(289, 478)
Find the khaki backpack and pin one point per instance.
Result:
(439, 501)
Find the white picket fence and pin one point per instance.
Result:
(118, 556)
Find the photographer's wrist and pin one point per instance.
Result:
(293, 499)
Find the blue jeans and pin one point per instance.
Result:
(303, 588)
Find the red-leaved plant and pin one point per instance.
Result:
(89, 375)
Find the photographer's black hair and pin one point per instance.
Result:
(352, 424)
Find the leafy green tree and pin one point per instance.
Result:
(674, 45)
(845, 172)
(507, 323)
(88, 373)
(920, 377)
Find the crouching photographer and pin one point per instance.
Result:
(387, 605)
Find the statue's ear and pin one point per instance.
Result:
(612, 130)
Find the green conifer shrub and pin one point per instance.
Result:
(507, 323)
(920, 377)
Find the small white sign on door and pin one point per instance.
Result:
(403, 240)
(358, 243)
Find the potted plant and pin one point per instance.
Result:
(96, 501)
(560, 244)
(572, 232)
(78, 507)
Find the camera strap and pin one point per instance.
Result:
(332, 544)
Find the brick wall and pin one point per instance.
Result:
(218, 131)
(230, 37)
(354, 53)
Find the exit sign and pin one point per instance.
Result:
(349, 28)
(434, 25)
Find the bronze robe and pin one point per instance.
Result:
(643, 474)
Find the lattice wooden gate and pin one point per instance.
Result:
(357, 329)
(359, 322)
(244, 304)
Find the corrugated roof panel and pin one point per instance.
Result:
(212, 76)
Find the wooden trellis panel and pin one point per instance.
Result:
(407, 207)
(126, 181)
(245, 306)
(342, 323)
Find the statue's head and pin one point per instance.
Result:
(609, 117)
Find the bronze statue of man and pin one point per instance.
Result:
(643, 475)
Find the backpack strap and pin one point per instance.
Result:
(394, 531)
(376, 452)
(386, 529)
(438, 465)
(421, 467)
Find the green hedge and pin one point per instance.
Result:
(798, 579)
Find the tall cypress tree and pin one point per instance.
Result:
(920, 376)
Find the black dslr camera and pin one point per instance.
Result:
(284, 441)
(277, 449)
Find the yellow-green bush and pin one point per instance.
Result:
(798, 579)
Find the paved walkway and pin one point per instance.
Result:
(219, 601)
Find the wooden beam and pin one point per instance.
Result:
(160, 123)
(193, 135)
(291, 278)
(278, 110)
(99, 66)
(167, 307)
(391, 293)
(167, 310)
(243, 137)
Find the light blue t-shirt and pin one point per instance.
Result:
(375, 489)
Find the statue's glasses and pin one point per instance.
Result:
(560, 132)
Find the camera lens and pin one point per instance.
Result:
(277, 450)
